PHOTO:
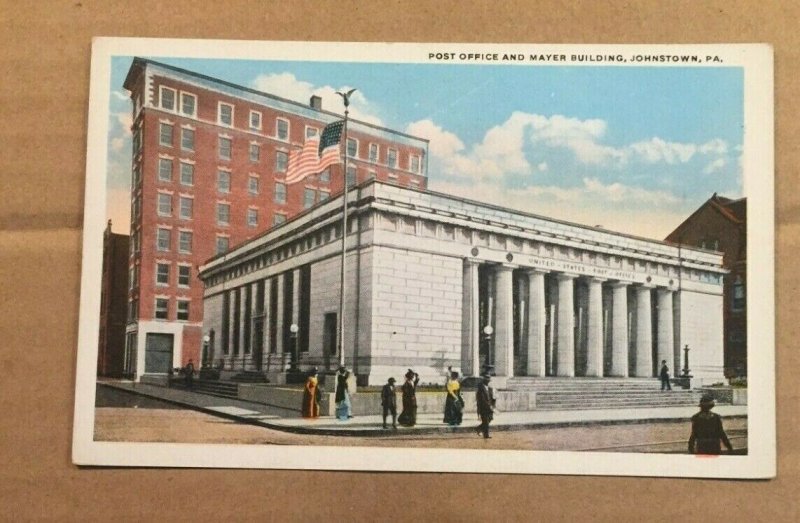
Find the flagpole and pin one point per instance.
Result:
(346, 99)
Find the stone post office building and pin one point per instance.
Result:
(427, 273)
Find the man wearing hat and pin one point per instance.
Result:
(485, 401)
(389, 403)
(707, 431)
(342, 396)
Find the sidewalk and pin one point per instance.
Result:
(290, 421)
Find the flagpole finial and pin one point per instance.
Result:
(346, 96)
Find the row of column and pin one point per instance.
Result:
(534, 345)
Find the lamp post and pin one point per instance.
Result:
(206, 340)
(487, 334)
(293, 330)
(686, 362)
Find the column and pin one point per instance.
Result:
(594, 339)
(504, 317)
(565, 350)
(535, 345)
(643, 367)
(619, 329)
(665, 347)
(279, 319)
(470, 328)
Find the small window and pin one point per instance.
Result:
(225, 114)
(373, 152)
(162, 239)
(280, 192)
(324, 195)
(351, 175)
(278, 219)
(309, 196)
(167, 98)
(164, 170)
(282, 129)
(223, 181)
(162, 273)
(187, 139)
(325, 176)
(255, 152)
(223, 213)
(185, 242)
(352, 147)
(255, 120)
(164, 204)
(222, 244)
(184, 275)
(136, 140)
(311, 132)
(162, 308)
(183, 310)
(414, 163)
(165, 134)
(281, 161)
(391, 159)
(187, 174)
(252, 185)
(186, 207)
(224, 148)
(252, 217)
(188, 104)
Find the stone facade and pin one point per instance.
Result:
(427, 273)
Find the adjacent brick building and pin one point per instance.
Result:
(720, 224)
(113, 304)
(208, 172)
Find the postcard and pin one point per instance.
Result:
(443, 257)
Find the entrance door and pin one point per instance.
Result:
(158, 353)
(329, 338)
(258, 342)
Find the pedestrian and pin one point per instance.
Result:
(664, 375)
(342, 397)
(188, 374)
(453, 403)
(389, 403)
(408, 417)
(485, 399)
(707, 431)
(311, 396)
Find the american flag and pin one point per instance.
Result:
(316, 155)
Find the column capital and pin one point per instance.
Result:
(565, 275)
(472, 261)
(506, 267)
(665, 290)
(619, 283)
(535, 270)
(596, 279)
(644, 286)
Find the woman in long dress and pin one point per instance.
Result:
(311, 394)
(408, 417)
(342, 397)
(453, 403)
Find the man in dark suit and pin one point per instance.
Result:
(485, 399)
(389, 403)
(707, 431)
(664, 375)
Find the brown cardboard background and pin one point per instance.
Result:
(43, 118)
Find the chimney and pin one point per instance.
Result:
(316, 102)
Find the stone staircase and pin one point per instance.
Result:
(223, 389)
(250, 376)
(602, 393)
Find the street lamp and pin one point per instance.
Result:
(293, 330)
(487, 333)
(206, 340)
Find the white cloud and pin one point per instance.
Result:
(657, 150)
(715, 166)
(542, 167)
(117, 144)
(121, 95)
(287, 85)
(125, 120)
(442, 143)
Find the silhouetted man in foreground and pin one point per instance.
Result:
(707, 431)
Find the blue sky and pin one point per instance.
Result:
(634, 149)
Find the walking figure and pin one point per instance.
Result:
(342, 398)
(311, 396)
(707, 431)
(453, 403)
(664, 375)
(485, 399)
(408, 417)
(188, 374)
(389, 403)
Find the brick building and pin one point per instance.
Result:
(427, 273)
(208, 172)
(113, 304)
(720, 224)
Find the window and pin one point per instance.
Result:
(252, 217)
(414, 161)
(309, 195)
(738, 294)
(255, 120)
(162, 273)
(352, 147)
(222, 244)
(185, 241)
(167, 98)
(188, 104)
(187, 139)
(187, 174)
(282, 129)
(162, 239)
(136, 140)
(183, 310)
(133, 310)
(224, 181)
(184, 275)
(165, 134)
(351, 175)
(391, 159)
(137, 175)
(162, 308)
(281, 161)
(255, 152)
(137, 207)
(164, 204)
(373, 152)
(225, 114)
(278, 219)
(252, 184)
(324, 195)
(325, 176)
(280, 192)
(223, 213)
(311, 132)
(224, 148)
(186, 207)
(164, 170)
